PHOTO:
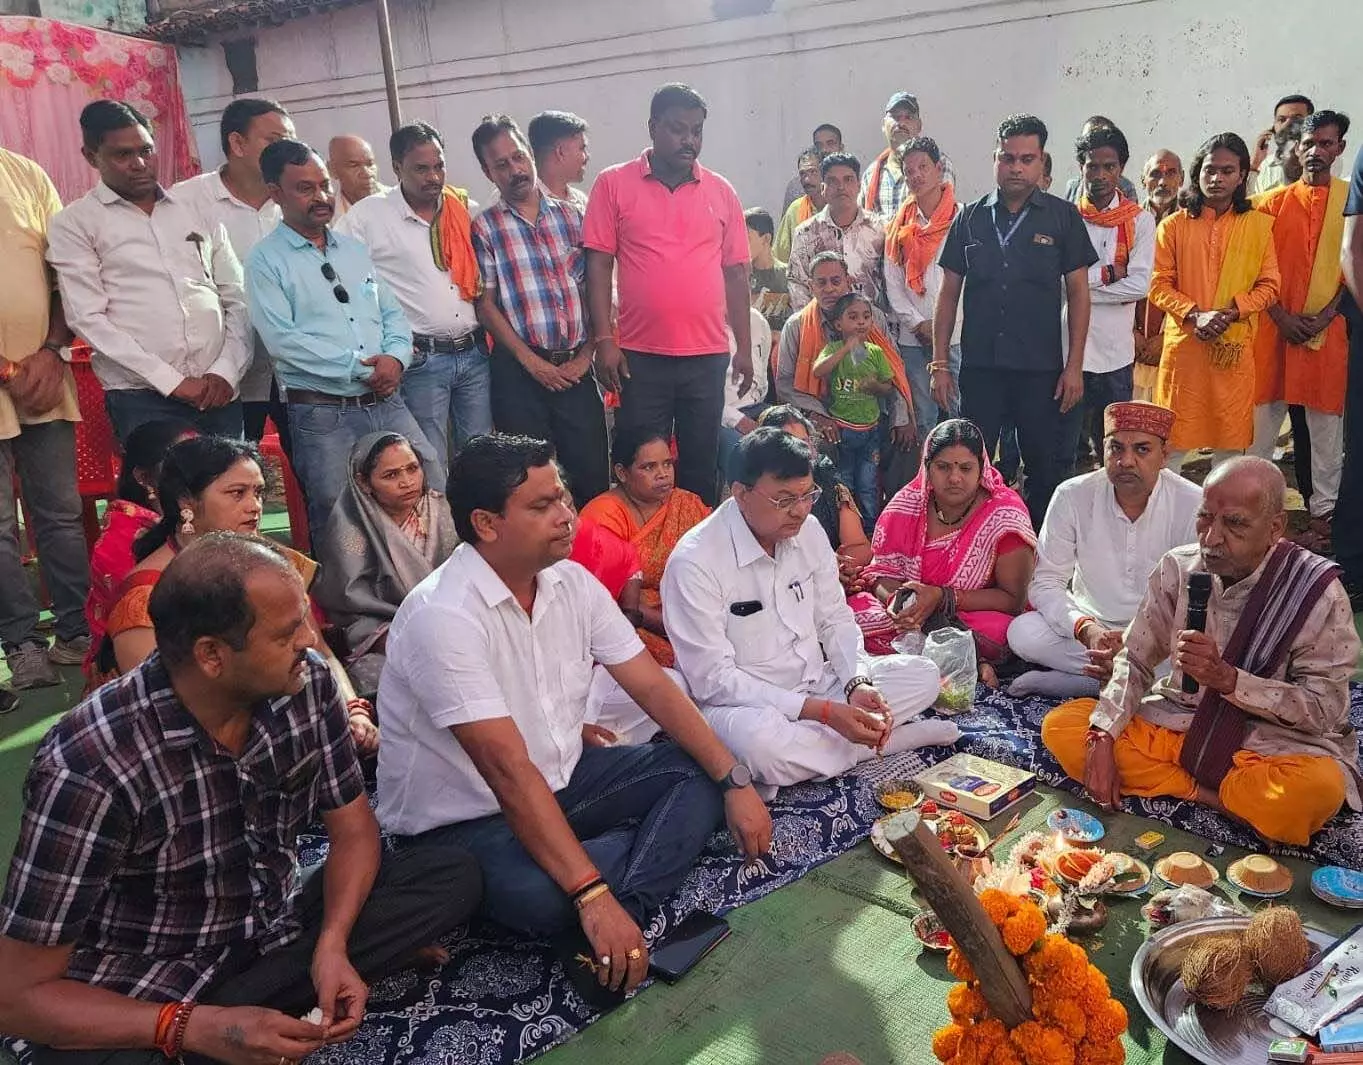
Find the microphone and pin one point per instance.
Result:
(1199, 591)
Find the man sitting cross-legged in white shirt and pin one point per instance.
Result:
(766, 641)
(1103, 536)
(484, 698)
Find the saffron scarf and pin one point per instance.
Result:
(1121, 216)
(804, 210)
(913, 245)
(873, 177)
(1289, 588)
(1325, 268)
(452, 243)
(813, 340)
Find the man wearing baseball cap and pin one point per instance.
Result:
(883, 187)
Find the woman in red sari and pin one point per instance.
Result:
(647, 508)
(133, 511)
(961, 539)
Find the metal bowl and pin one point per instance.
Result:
(1231, 1037)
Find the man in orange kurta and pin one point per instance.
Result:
(1301, 353)
(1215, 272)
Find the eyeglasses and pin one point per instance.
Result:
(329, 272)
(810, 498)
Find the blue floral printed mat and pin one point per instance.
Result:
(502, 999)
(1008, 730)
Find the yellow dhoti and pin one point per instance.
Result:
(1285, 798)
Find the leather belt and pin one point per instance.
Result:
(442, 345)
(557, 358)
(303, 395)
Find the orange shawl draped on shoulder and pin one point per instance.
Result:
(1121, 216)
(873, 176)
(655, 541)
(813, 340)
(452, 243)
(914, 246)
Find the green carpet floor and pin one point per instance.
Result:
(830, 963)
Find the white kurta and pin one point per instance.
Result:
(1094, 561)
(751, 670)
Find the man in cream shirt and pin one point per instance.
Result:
(151, 285)
(1103, 536)
(765, 638)
(236, 195)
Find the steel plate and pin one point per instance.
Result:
(1233, 1037)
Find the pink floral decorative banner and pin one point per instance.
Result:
(50, 70)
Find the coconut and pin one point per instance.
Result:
(1277, 945)
(1217, 971)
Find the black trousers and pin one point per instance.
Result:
(684, 396)
(1046, 438)
(254, 413)
(1100, 390)
(421, 893)
(573, 421)
(1348, 519)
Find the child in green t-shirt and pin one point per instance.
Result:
(858, 375)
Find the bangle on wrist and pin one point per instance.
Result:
(589, 882)
(8, 371)
(824, 712)
(856, 682)
(1079, 626)
(171, 1023)
(591, 894)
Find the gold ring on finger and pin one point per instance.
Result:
(635, 954)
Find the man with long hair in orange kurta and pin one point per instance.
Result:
(1215, 273)
(1301, 353)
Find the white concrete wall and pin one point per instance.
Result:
(1169, 72)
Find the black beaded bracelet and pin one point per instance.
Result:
(856, 682)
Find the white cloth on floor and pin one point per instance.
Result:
(780, 751)
(611, 707)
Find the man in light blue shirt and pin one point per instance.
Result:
(336, 333)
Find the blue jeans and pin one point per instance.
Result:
(643, 814)
(323, 434)
(859, 469)
(447, 389)
(45, 457)
(130, 407)
(925, 410)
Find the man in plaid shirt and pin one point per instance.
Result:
(157, 862)
(529, 249)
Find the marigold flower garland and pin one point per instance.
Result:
(1076, 1021)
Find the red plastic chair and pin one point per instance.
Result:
(293, 495)
(97, 453)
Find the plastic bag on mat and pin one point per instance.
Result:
(953, 652)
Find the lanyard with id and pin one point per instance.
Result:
(1005, 238)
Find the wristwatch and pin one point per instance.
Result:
(740, 776)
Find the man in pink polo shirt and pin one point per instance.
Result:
(678, 232)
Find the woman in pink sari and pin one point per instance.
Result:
(960, 539)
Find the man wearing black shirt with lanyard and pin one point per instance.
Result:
(1009, 251)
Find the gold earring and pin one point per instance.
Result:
(186, 521)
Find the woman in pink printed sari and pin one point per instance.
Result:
(960, 539)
